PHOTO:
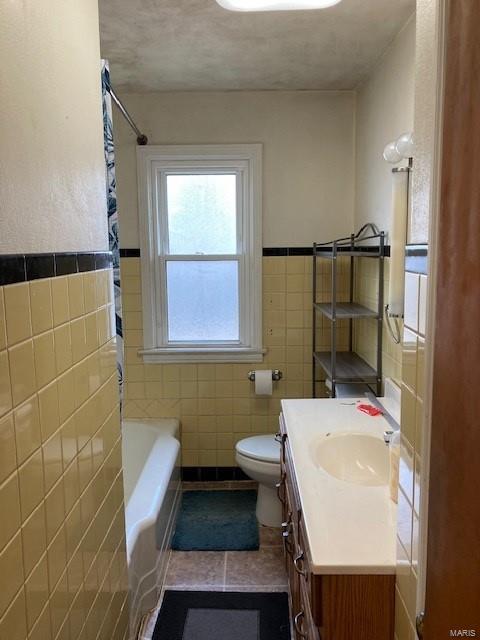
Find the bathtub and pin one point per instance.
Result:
(151, 477)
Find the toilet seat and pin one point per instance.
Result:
(262, 448)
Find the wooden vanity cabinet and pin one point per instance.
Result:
(328, 607)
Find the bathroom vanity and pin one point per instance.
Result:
(339, 521)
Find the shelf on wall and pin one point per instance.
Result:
(350, 367)
(345, 310)
(353, 253)
(368, 242)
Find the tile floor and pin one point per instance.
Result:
(262, 570)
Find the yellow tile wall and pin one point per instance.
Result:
(215, 402)
(62, 536)
(405, 364)
(408, 511)
(365, 338)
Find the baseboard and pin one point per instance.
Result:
(212, 474)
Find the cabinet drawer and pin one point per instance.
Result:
(282, 425)
(291, 483)
(281, 437)
(288, 529)
(302, 559)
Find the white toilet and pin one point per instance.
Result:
(259, 458)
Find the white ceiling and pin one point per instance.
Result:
(163, 45)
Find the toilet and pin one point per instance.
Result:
(259, 458)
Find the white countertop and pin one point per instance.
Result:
(351, 528)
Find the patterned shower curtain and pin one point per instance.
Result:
(113, 237)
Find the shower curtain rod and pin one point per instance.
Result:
(142, 139)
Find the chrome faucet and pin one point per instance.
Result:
(394, 427)
(388, 435)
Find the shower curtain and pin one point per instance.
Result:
(113, 236)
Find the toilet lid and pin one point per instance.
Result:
(264, 448)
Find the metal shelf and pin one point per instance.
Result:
(345, 310)
(355, 253)
(349, 366)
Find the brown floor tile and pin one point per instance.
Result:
(270, 536)
(263, 567)
(196, 568)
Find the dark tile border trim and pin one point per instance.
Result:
(65, 264)
(130, 253)
(39, 266)
(15, 268)
(272, 252)
(416, 258)
(307, 251)
(212, 474)
(268, 252)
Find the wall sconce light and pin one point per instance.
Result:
(404, 145)
(400, 149)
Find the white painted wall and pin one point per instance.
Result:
(385, 109)
(427, 114)
(308, 140)
(52, 178)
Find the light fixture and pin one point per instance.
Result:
(275, 5)
(400, 149)
(404, 145)
(390, 153)
(396, 151)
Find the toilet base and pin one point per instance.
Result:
(269, 507)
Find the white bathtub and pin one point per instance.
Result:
(151, 471)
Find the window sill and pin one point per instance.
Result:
(189, 356)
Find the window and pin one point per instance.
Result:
(200, 230)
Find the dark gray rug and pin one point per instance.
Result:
(210, 615)
(217, 521)
(203, 624)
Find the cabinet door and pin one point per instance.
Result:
(313, 583)
(290, 548)
(295, 594)
(303, 624)
(358, 606)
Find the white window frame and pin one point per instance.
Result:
(154, 162)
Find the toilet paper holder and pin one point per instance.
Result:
(276, 375)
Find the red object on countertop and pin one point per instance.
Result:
(369, 409)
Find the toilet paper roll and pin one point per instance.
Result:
(263, 382)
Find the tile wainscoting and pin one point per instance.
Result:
(62, 547)
(216, 403)
(365, 337)
(413, 390)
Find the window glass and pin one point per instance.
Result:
(202, 301)
(202, 214)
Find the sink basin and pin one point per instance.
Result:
(354, 457)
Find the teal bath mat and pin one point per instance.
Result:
(217, 521)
